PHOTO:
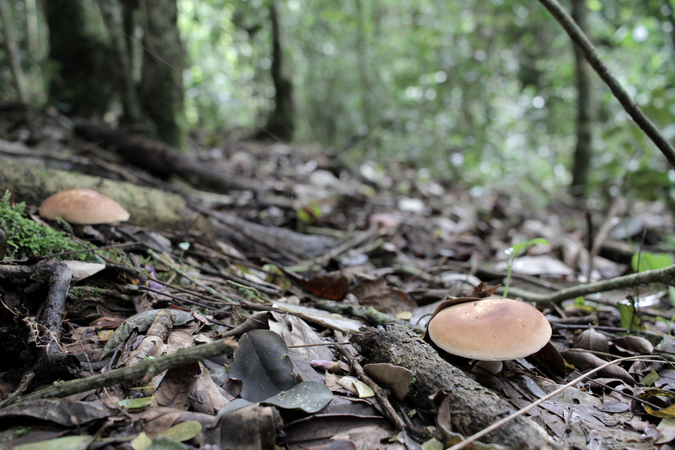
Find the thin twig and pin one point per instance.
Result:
(665, 275)
(190, 277)
(381, 397)
(632, 108)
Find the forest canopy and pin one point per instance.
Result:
(478, 94)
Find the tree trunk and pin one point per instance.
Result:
(164, 59)
(583, 151)
(82, 82)
(362, 58)
(281, 124)
(9, 43)
(112, 14)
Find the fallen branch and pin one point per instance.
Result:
(474, 407)
(146, 369)
(666, 276)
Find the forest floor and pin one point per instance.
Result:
(294, 317)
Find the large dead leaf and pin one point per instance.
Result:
(263, 364)
(295, 331)
(61, 411)
(308, 396)
(384, 298)
(250, 428)
(333, 285)
(585, 361)
(206, 397)
(591, 339)
(176, 386)
(395, 378)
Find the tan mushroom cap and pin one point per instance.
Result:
(494, 329)
(83, 206)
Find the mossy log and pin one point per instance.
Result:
(474, 407)
(32, 182)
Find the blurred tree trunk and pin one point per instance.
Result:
(12, 53)
(585, 106)
(362, 52)
(671, 19)
(281, 124)
(164, 59)
(82, 79)
(124, 83)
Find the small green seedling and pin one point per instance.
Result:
(310, 213)
(629, 316)
(513, 253)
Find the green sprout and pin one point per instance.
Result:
(513, 253)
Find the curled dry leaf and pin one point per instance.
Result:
(634, 344)
(593, 340)
(585, 361)
(395, 378)
(384, 298)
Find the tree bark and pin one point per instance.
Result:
(281, 124)
(474, 407)
(585, 106)
(112, 14)
(82, 84)
(164, 60)
(153, 208)
(9, 43)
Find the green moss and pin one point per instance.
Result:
(26, 237)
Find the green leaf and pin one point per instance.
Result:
(135, 404)
(183, 431)
(650, 378)
(629, 317)
(517, 248)
(63, 443)
(651, 261)
(363, 389)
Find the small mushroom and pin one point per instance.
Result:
(83, 206)
(494, 329)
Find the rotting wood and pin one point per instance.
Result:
(57, 275)
(163, 160)
(474, 406)
(32, 183)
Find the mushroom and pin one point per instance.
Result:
(83, 206)
(493, 329)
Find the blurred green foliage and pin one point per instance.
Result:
(479, 94)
